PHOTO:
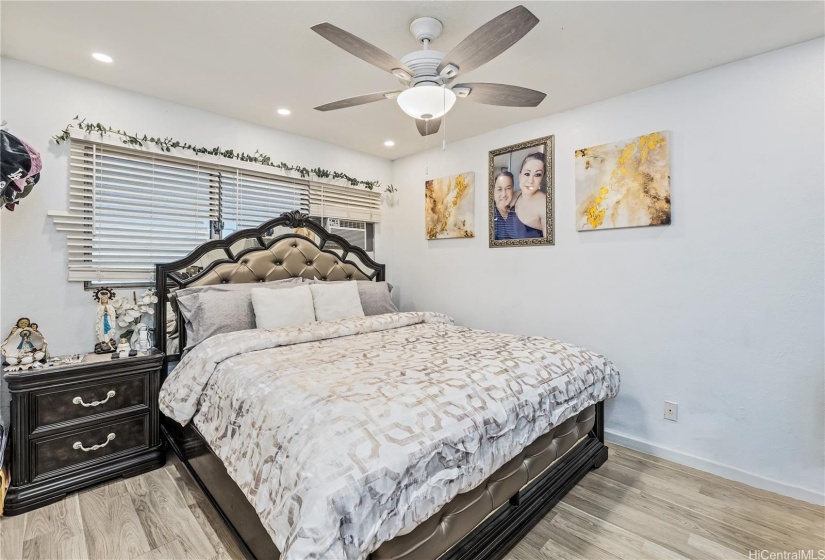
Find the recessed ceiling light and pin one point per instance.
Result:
(284, 112)
(389, 143)
(102, 57)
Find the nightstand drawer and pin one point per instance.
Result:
(53, 454)
(80, 402)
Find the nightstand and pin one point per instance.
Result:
(77, 425)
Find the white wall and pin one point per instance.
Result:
(722, 311)
(38, 103)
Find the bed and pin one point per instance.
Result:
(396, 436)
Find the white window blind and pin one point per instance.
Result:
(130, 209)
(335, 201)
(249, 199)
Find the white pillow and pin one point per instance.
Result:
(336, 301)
(282, 308)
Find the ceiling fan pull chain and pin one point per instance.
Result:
(427, 147)
(444, 143)
(444, 132)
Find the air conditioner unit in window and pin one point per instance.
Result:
(357, 233)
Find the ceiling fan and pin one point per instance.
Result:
(429, 74)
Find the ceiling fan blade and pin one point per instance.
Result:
(360, 48)
(503, 95)
(358, 100)
(490, 40)
(425, 128)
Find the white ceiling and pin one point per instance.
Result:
(245, 59)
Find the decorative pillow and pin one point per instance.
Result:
(334, 301)
(219, 308)
(283, 308)
(243, 287)
(375, 296)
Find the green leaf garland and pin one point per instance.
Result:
(167, 144)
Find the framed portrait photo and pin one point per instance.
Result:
(522, 194)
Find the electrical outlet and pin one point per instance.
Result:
(671, 410)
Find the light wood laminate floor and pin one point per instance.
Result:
(634, 507)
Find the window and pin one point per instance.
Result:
(348, 212)
(335, 201)
(360, 234)
(131, 208)
(249, 199)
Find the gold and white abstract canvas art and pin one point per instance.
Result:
(449, 206)
(624, 184)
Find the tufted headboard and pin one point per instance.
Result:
(290, 246)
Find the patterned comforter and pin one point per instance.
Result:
(343, 434)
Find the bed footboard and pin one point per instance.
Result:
(578, 446)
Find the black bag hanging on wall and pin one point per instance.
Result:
(20, 167)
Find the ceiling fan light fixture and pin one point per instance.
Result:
(426, 102)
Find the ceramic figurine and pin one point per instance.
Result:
(25, 347)
(123, 348)
(143, 342)
(105, 321)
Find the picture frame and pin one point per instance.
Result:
(522, 212)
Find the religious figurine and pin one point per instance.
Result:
(25, 341)
(25, 347)
(105, 321)
(123, 348)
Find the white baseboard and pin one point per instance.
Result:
(725, 471)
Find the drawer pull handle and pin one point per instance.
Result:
(78, 445)
(109, 395)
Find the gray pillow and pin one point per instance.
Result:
(375, 296)
(221, 308)
(243, 287)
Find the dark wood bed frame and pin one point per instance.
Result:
(490, 540)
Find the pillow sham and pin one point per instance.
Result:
(243, 287)
(376, 298)
(283, 308)
(334, 301)
(219, 308)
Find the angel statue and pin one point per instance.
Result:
(105, 321)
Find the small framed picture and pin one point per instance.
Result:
(522, 193)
